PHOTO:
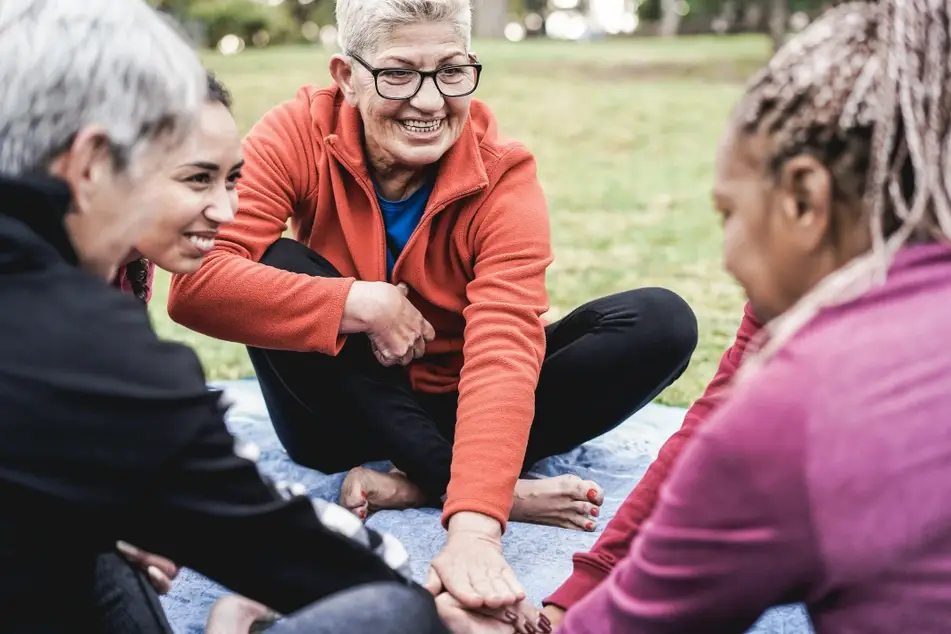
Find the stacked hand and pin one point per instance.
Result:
(476, 589)
(398, 332)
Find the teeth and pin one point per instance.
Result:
(422, 126)
(202, 243)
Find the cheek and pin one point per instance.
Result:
(459, 109)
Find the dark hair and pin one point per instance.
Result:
(137, 271)
(217, 92)
(866, 90)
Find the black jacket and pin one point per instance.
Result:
(108, 433)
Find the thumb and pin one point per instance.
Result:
(429, 333)
(403, 288)
(433, 582)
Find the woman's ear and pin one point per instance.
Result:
(341, 70)
(805, 190)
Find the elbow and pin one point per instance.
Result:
(183, 301)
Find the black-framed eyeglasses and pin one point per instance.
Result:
(457, 80)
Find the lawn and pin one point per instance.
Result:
(624, 134)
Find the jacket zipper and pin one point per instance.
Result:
(381, 225)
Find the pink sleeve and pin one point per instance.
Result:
(731, 536)
(591, 568)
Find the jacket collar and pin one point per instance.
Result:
(41, 203)
(461, 171)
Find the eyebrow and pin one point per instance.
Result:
(214, 167)
(205, 165)
(403, 60)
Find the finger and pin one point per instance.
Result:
(166, 566)
(419, 348)
(457, 583)
(433, 583)
(160, 582)
(502, 591)
(407, 358)
(429, 333)
(404, 289)
(129, 551)
(508, 575)
(486, 590)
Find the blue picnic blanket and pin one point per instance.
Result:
(540, 556)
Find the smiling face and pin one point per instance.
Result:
(409, 133)
(199, 195)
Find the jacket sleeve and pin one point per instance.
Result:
(504, 342)
(591, 568)
(211, 510)
(732, 534)
(236, 298)
(114, 430)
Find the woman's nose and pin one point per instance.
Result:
(221, 210)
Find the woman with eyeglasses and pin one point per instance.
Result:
(403, 321)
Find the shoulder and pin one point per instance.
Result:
(308, 116)
(764, 422)
(500, 154)
(88, 337)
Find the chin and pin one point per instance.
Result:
(181, 265)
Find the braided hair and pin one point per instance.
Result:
(866, 90)
(137, 271)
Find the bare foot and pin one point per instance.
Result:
(565, 501)
(365, 491)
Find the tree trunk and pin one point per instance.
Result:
(670, 18)
(778, 19)
(490, 18)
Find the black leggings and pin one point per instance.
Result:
(603, 362)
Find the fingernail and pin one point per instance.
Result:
(594, 511)
(511, 616)
(127, 549)
(545, 620)
(589, 526)
(530, 628)
(544, 627)
(592, 494)
(156, 574)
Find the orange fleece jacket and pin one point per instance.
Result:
(475, 267)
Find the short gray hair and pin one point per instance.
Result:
(362, 23)
(69, 64)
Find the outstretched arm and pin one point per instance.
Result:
(592, 567)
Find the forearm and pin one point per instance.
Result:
(590, 568)
(235, 299)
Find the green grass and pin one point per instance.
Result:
(624, 134)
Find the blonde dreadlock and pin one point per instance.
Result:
(866, 89)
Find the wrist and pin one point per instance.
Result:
(477, 523)
(359, 310)
(554, 613)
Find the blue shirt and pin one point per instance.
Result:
(400, 217)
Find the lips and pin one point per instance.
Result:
(422, 126)
(203, 242)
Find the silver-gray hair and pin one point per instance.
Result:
(69, 64)
(362, 23)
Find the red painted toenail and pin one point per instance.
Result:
(589, 526)
(592, 494)
(594, 512)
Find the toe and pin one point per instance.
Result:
(579, 489)
(353, 493)
(583, 522)
(586, 510)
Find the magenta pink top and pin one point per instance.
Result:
(825, 479)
